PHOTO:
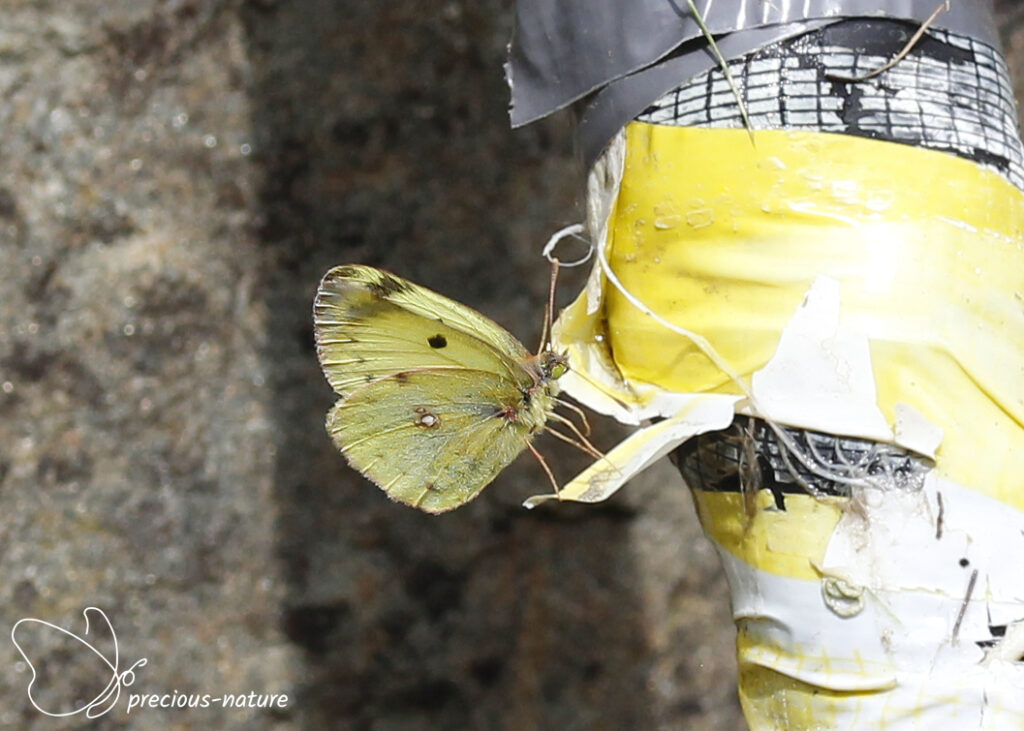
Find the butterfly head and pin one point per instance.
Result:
(553, 365)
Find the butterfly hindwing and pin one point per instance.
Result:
(370, 324)
(432, 439)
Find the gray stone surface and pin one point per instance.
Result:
(174, 179)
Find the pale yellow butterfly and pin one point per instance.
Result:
(436, 399)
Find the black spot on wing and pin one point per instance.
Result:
(437, 341)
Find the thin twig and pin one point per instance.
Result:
(899, 56)
(963, 606)
(725, 68)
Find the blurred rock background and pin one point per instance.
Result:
(174, 179)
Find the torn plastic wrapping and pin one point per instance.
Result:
(626, 53)
(869, 295)
(736, 262)
(828, 239)
(865, 290)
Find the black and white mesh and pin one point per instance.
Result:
(748, 456)
(950, 93)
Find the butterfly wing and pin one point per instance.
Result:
(370, 324)
(434, 439)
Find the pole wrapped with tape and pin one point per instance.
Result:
(822, 320)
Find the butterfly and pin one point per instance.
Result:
(436, 399)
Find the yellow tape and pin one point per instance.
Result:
(725, 239)
(790, 542)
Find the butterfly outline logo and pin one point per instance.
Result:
(118, 679)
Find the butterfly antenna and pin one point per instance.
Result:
(549, 311)
(590, 448)
(550, 474)
(578, 411)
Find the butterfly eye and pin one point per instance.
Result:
(553, 365)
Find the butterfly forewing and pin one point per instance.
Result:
(370, 324)
(432, 439)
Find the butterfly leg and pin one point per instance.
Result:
(544, 464)
(578, 411)
(583, 444)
